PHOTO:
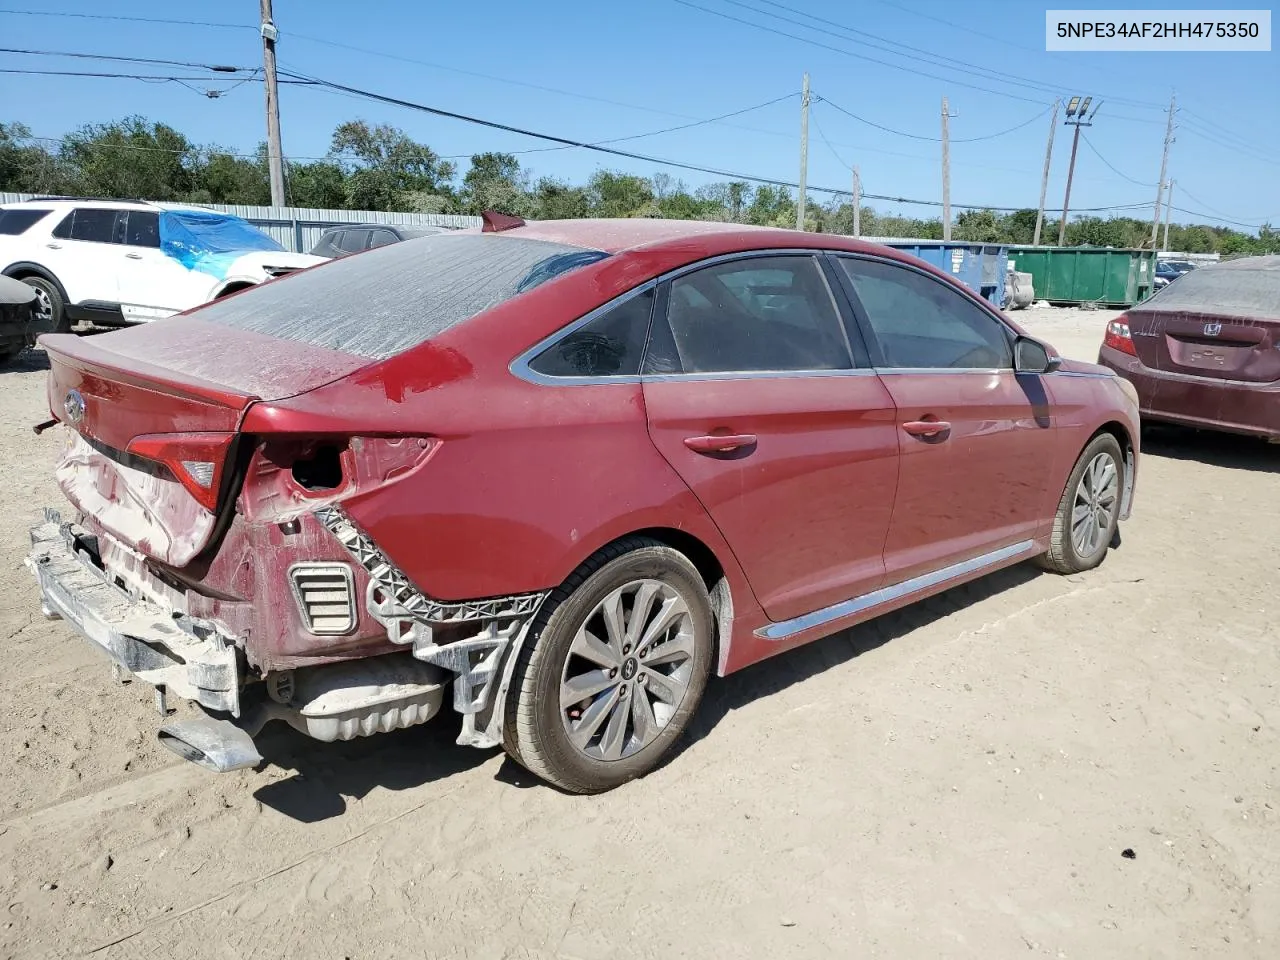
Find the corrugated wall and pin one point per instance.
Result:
(299, 228)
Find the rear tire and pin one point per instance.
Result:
(1089, 511)
(49, 305)
(598, 697)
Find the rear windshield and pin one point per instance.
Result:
(14, 222)
(383, 302)
(1246, 288)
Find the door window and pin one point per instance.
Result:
(610, 345)
(380, 238)
(142, 228)
(920, 323)
(753, 314)
(352, 241)
(90, 225)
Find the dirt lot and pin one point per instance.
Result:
(958, 780)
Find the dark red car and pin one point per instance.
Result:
(1205, 351)
(568, 469)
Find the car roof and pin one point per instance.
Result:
(710, 238)
(53, 203)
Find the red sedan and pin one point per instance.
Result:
(1204, 352)
(566, 469)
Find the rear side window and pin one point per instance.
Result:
(610, 345)
(754, 314)
(389, 299)
(380, 238)
(90, 225)
(14, 222)
(920, 323)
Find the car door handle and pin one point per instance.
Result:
(54, 246)
(725, 444)
(134, 256)
(928, 429)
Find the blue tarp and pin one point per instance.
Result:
(209, 242)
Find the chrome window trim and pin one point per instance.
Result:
(520, 366)
(785, 629)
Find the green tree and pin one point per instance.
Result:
(131, 158)
(611, 194)
(221, 177)
(383, 165)
(495, 182)
(555, 200)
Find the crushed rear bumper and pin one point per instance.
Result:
(176, 653)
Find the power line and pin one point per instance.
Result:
(104, 16)
(917, 136)
(216, 68)
(185, 81)
(1224, 131)
(955, 26)
(1221, 215)
(849, 53)
(1192, 127)
(1099, 155)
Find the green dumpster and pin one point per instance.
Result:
(1105, 276)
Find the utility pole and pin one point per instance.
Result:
(1164, 169)
(1044, 180)
(275, 158)
(1168, 214)
(1075, 117)
(857, 202)
(946, 173)
(804, 151)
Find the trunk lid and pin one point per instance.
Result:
(1220, 322)
(154, 413)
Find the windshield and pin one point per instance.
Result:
(391, 298)
(209, 242)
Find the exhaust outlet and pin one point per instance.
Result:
(217, 745)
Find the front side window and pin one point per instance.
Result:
(142, 229)
(753, 314)
(920, 323)
(609, 345)
(352, 241)
(380, 238)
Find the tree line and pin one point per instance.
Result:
(379, 167)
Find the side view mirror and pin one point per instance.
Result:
(1032, 356)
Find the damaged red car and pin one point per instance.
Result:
(557, 475)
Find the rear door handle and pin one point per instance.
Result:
(715, 445)
(928, 429)
(54, 246)
(134, 256)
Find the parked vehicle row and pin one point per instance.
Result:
(562, 471)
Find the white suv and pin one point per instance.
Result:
(117, 262)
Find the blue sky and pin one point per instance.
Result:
(594, 71)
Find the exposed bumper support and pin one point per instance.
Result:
(190, 658)
(481, 663)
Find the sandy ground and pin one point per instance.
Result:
(958, 780)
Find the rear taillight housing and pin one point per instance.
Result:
(1118, 336)
(196, 460)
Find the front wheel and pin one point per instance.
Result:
(609, 678)
(49, 310)
(1089, 510)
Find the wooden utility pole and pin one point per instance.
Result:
(946, 172)
(1168, 214)
(275, 155)
(1164, 169)
(804, 152)
(1076, 117)
(1044, 180)
(857, 202)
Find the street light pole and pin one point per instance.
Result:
(1077, 116)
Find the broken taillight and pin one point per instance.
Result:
(195, 459)
(1118, 337)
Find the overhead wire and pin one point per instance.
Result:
(1109, 165)
(120, 17)
(214, 67)
(917, 136)
(915, 71)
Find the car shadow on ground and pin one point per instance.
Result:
(1226, 450)
(328, 775)
(30, 360)
(796, 666)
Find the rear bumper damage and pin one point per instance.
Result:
(200, 660)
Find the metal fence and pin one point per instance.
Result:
(299, 228)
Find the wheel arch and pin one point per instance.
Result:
(26, 268)
(233, 286)
(709, 567)
(1129, 447)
